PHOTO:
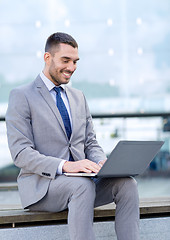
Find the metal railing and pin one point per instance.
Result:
(132, 115)
(2, 119)
(125, 115)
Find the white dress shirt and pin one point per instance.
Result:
(50, 85)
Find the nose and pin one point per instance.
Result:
(71, 66)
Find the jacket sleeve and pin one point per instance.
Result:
(21, 138)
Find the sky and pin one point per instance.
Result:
(122, 43)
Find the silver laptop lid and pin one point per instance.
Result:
(130, 158)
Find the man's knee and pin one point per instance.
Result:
(84, 186)
(128, 189)
(131, 186)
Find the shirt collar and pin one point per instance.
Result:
(49, 84)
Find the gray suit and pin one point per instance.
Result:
(38, 143)
(36, 131)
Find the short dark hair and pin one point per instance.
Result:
(56, 38)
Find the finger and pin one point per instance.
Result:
(86, 170)
(88, 166)
(101, 163)
(93, 167)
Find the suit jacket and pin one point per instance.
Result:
(37, 138)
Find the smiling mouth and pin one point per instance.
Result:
(67, 74)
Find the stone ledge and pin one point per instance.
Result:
(149, 207)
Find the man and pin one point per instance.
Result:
(45, 144)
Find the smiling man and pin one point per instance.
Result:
(50, 132)
(61, 62)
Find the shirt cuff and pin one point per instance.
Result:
(60, 167)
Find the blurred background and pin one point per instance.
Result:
(124, 71)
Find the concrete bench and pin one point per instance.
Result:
(149, 208)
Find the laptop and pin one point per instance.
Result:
(128, 158)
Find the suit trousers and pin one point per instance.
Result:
(80, 195)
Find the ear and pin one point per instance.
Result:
(47, 57)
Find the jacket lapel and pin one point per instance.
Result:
(48, 99)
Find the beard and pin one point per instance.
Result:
(56, 81)
(57, 76)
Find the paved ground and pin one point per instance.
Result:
(150, 229)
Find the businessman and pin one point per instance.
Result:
(50, 132)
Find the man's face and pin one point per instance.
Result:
(60, 66)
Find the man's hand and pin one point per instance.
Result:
(101, 163)
(85, 165)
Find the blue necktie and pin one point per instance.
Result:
(64, 114)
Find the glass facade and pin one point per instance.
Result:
(123, 46)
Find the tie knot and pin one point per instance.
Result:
(57, 89)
